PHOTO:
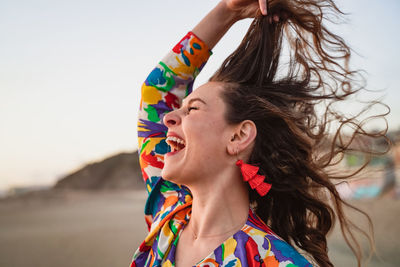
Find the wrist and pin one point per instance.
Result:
(227, 15)
(215, 24)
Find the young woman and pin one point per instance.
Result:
(235, 171)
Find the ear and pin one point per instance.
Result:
(242, 137)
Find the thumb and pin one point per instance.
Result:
(263, 6)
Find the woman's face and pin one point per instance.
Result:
(198, 135)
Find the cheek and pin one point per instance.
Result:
(208, 136)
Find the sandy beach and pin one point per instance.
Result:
(78, 228)
(71, 229)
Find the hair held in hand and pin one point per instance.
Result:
(288, 77)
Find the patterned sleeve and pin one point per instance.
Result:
(163, 91)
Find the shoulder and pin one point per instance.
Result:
(264, 245)
(269, 249)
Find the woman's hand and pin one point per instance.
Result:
(246, 8)
(216, 23)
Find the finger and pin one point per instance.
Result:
(263, 6)
(276, 18)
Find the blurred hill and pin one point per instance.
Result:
(121, 171)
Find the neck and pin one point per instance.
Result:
(220, 207)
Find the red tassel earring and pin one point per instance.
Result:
(256, 181)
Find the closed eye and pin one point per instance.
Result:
(192, 108)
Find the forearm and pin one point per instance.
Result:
(215, 24)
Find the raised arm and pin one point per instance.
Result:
(166, 86)
(163, 90)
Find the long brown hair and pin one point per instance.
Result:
(293, 148)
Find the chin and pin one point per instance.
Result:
(166, 176)
(169, 175)
(176, 175)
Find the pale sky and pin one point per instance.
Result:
(71, 71)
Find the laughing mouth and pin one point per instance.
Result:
(175, 143)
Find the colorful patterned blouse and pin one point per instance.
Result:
(168, 206)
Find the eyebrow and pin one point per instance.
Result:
(195, 99)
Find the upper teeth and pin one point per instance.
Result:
(175, 139)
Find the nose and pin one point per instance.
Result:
(172, 118)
